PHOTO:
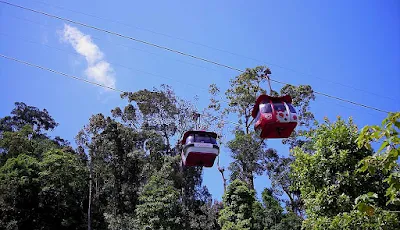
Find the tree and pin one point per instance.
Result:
(289, 220)
(278, 171)
(387, 156)
(247, 148)
(250, 153)
(272, 209)
(164, 114)
(247, 151)
(329, 184)
(25, 132)
(159, 206)
(278, 166)
(22, 114)
(14, 143)
(239, 203)
(162, 111)
(116, 167)
(41, 179)
(241, 96)
(63, 195)
(19, 189)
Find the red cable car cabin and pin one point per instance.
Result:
(200, 148)
(274, 116)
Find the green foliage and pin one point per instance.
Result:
(63, 178)
(23, 115)
(42, 180)
(19, 193)
(159, 203)
(122, 172)
(116, 168)
(242, 211)
(118, 222)
(244, 91)
(272, 209)
(110, 182)
(238, 202)
(355, 219)
(161, 110)
(327, 178)
(387, 156)
(47, 194)
(247, 150)
(14, 143)
(289, 221)
(278, 170)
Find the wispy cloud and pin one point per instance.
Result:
(98, 70)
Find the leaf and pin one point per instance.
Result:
(384, 145)
(370, 210)
(362, 207)
(364, 167)
(372, 195)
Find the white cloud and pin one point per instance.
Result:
(102, 73)
(98, 70)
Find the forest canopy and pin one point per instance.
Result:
(124, 170)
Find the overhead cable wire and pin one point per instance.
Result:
(112, 63)
(119, 44)
(210, 47)
(176, 51)
(87, 81)
(122, 36)
(337, 98)
(122, 45)
(60, 73)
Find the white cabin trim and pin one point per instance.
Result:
(201, 150)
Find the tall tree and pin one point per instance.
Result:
(22, 114)
(14, 143)
(387, 156)
(272, 209)
(19, 193)
(63, 196)
(242, 95)
(240, 208)
(161, 110)
(159, 206)
(42, 180)
(164, 114)
(329, 184)
(116, 165)
(248, 150)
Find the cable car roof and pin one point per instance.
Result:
(261, 98)
(211, 134)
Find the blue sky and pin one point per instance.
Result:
(326, 44)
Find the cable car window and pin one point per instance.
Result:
(291, 108)
(279, 107)
(213, 140)
(190, 139)
(265, 108)
(201, 138)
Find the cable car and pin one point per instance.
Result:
(200, 148)
(275, 117)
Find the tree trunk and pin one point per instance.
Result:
(221, 170)
(250, 178)
(89, 212)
